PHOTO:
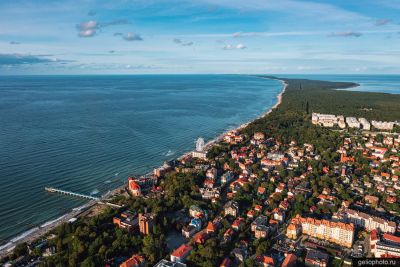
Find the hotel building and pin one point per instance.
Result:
(335, 232)
(365, 220)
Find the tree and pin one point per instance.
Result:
(88, 262)
(263, 247)
(307, 108)
(21, 250)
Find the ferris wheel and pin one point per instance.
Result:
(200, 144)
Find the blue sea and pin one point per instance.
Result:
(89, 133)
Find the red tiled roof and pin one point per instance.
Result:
(290, 260)
(210, 227)
(374, 235)
(135, 260)
(181, 251)
(391, 238)
(265, 259)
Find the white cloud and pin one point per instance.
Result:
(181, 42)
(87, 33)
(345, 34)
(130, 36)
(233, 47)
(91, 28)
(87, 28)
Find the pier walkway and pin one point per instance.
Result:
(65, 192)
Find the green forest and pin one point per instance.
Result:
(306, 96)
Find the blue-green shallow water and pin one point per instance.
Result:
(88, 133)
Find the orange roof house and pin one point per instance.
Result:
(261, 190)
(290, 260)
(265, 261)
(210, 228)
(134, 261)
(134, 187)
(180, 254)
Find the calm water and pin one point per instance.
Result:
(368, 83)
(88, 133)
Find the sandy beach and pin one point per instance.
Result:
(39, 231)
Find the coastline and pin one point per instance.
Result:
(32, 234)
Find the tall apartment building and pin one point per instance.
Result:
(365, 220)
(146, 222)
(335, 232)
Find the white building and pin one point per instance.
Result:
(383, 125)
(365, 124)
(352, 122)
(326, 120)
(364, 220)
(386, 245)
(341, 122)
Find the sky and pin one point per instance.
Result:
(199, 36)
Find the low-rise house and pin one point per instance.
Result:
(228, 234)
(210, 193)
(316, 258)
(371, 200)
(261, 190)
(188, 231)
(211, 228)
(166, 263)
(181, 253)
(134, 261)
(265, 261)
(200, 238)
(196, 212)
(240, 254)
(231, 208)
(251, 213)
(279, 215)
(196, 223)
(212, 173)
(126, 220)
(237, 224)
(260, 220)
(290, 260)
(134, 187)
(261, 231)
